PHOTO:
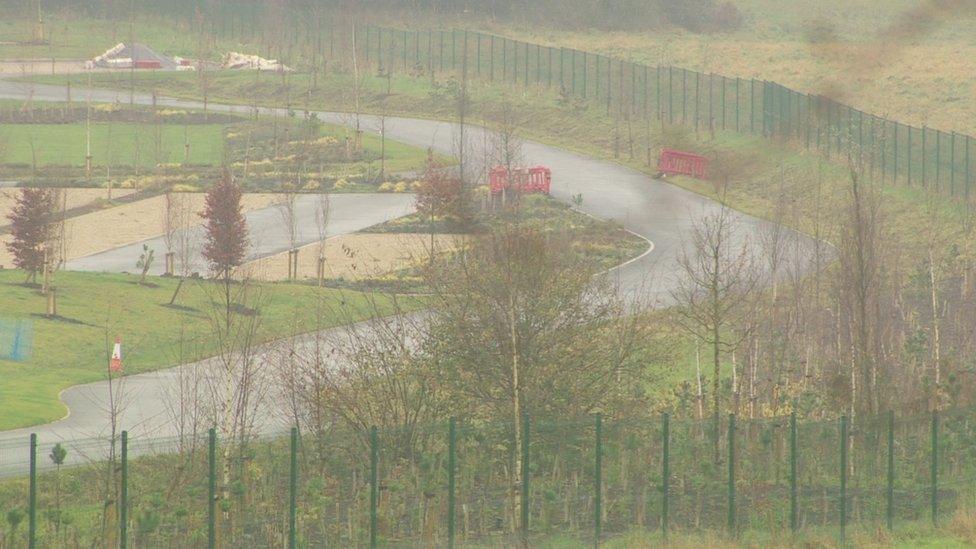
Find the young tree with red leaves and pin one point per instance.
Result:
(438, 195)
(225, 241)
(32, 226)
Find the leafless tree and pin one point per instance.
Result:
(185, 239)
(506, 146)
(717, 280)
(323, 206)
(287, 204)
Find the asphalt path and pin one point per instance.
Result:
(662, 213)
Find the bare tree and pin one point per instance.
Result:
(323, 212)
(713, 293)
(184, 237)
(287, 203)
(506, 147)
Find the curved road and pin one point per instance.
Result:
(660, 212)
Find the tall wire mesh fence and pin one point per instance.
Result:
(585, 479)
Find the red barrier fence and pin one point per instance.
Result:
(525, 180)
(672, 162)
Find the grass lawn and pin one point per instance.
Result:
(94, 308)
(112, 144)
(71, 36)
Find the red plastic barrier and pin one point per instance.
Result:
(672, 162)
(536, 179)
(148, 64)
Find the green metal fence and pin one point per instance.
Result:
(892, 152)
(586, 479)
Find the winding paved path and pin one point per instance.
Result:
(658, 211)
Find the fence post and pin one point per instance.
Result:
(451, 468)
(890, 510)
(909, 159)
(525, 478)
(665, 471)
(670, 94)
(491, 58)
(124, 500)
(293, 491)
(684, 96)
(585, 62)
(731, 443)
(894, 171)
(736, 103)
(923, 156)
(843, 478)
(938, 159)
(212, 488)
(32, 494)
(598, 482)
(373, 484)
(794, 516)
(969, 177)
(952, 164)
(935, 467)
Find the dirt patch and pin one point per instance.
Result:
(125, 224)
(355, 256)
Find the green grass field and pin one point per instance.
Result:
(112, 144)
(72, 349)
(71, 37)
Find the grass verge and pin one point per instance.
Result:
(95, 308)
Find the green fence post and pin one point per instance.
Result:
(124, 499)
(212, 488)
(843, 478)
(572, 72)
(752, 105)
(890, 508)
(562, 70)
(585, 62)
(938, 159)
(598, 482)
(731, 443)
(451, 471)
(697, 98)
(952, 164)
(491, 58)
(969, 176)
(549, 75)
(293, 491)
(670, 94)
(525, 479)
(909, 159)
(374, 489)
(646, 115)
(737, 79)
(923, 156)
(684, 96)
(32, 494)
(935, 467)
(665, 471)
(894, 171)
(794, 514)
